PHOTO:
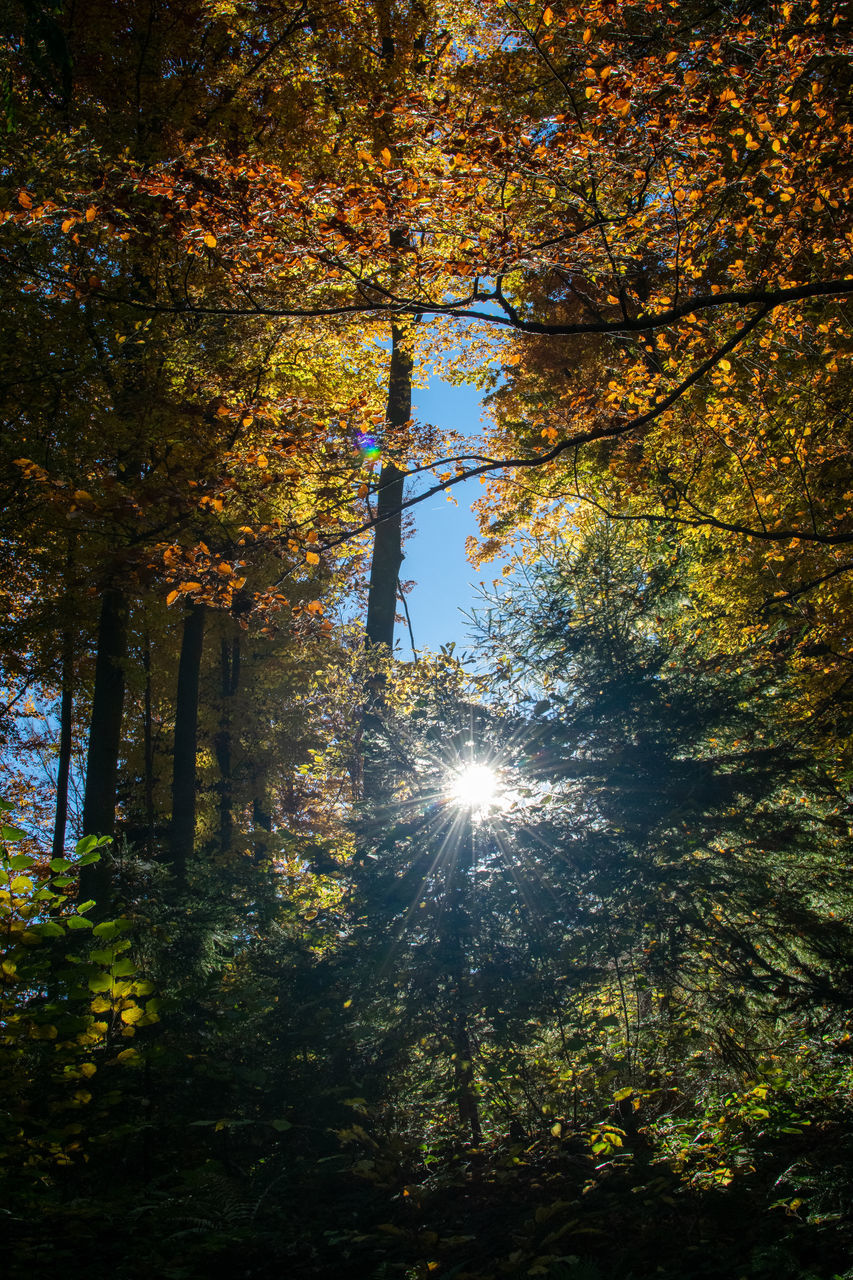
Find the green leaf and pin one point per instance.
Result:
(88, 859)
(12, 833)
(106, 929)
(100, 982)
(85, 906)
(281, 1126)
(78, 922)
(50, 929)
(86, 845)
(106, 955)
(6, 806)
(60, 864)
(123, 968)
(20, 861)
(62, 882)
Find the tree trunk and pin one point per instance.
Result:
(261, 815)
(386, 561)
(229, 668)
(63, 772)
(99, 800)
(148, 747)
(182, 833)
(388, 535)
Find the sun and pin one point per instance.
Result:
(474, 787)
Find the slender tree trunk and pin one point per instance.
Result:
(386, 561)
(229, 668)
(99, 799)
(261, 815)
(182, 833)
(63, 772)
(388, 535)
(148, 748)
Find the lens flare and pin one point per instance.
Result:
(367, 446)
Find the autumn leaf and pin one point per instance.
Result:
(210, 240)
(386, 156)
(312, 557)
(548, 17)
(25, 200)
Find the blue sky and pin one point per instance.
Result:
(435, 554)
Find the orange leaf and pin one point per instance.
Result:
(386, 156)
(312, 557)
(587, 36)
(90, 214)
(210, 240)
(67, 225)
(263, 461)
(314, 607)
(172, 597)
(548, 17)
(24, 199)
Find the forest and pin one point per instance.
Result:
(319, 958)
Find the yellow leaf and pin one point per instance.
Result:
(172, 597)
(312, 557)
(263, 461)
(133, 1014)
(386, 156)
(587, 36)
(210, 240)
(725, 365)
(88, 1069)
